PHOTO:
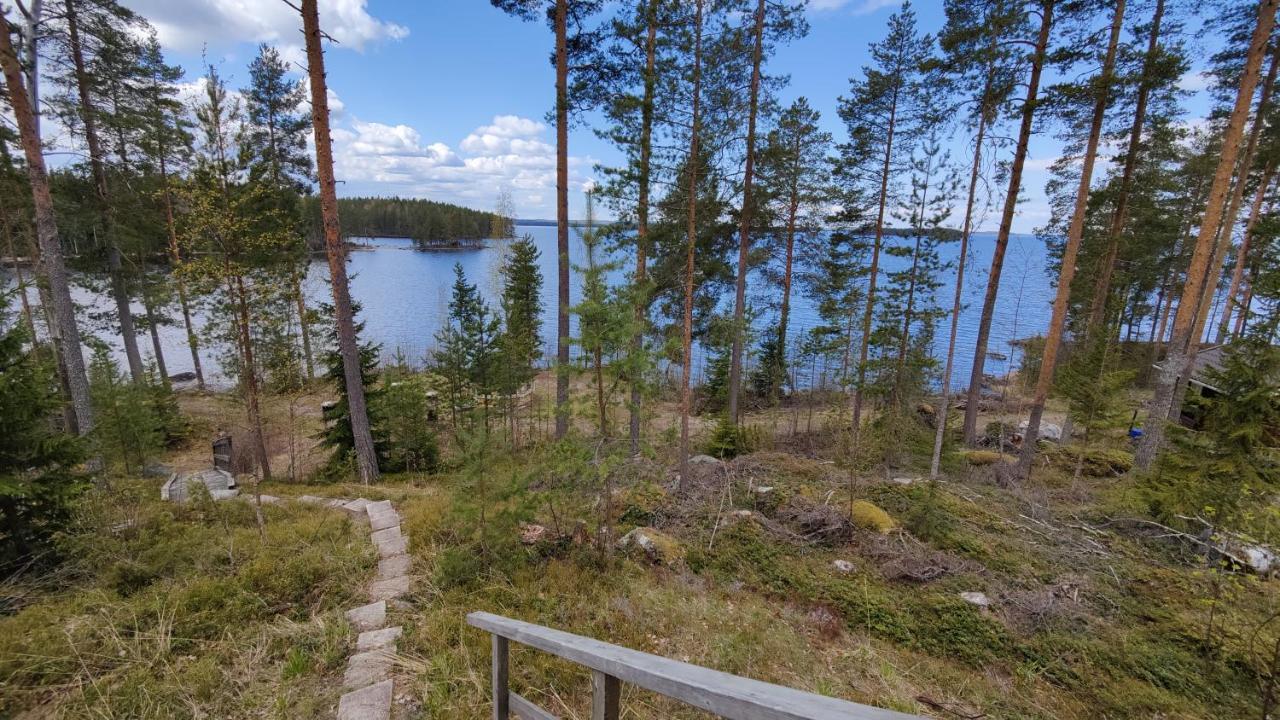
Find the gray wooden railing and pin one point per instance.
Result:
(719, 693)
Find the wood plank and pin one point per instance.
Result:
(501, 666)
(526, 710)
(720, 693)
(606, 696)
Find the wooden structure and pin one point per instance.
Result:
(719, 693)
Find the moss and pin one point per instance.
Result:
(868, 516)
(983, 457)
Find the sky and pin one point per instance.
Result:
(447, 99)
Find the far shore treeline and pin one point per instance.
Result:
(426, 222)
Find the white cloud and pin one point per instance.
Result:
(511, 152)
(1193, 81)
(191, 24)
(820, 5)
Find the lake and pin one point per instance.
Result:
(404, 294)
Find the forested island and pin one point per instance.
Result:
(430, 224)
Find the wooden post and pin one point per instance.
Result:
(501, 694)
(605, 696)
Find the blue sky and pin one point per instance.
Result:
(446, 99)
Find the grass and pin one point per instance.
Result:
(186, 611)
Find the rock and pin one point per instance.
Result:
(390, 589)
(531, 534)
(742, 516)
(187, 376)
(659, 548)
(1260, 559)
(367, 668)
(976, 598)
(764, 491)
(356, 509)
(703, 460)
(393, 546)
(378, 639)
(1048, 431)
(156, 470)
(370, 703)
(843, 566)
(379, 537)
(368, 617)
(868, 516)
(904, 480)
(982, 457)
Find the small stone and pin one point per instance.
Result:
(390, 589)
(371, 703)
(742, 515)
(336, 503)
(311, 499)
(657, 547)
(356, 509)
(367, 668)
(905, 480)
(394, 566)
(531, 534)
(703, 460)
(843, 566)
(378, 639)
(268, 499)
(368, 617)
(764, 490)
(976, 598)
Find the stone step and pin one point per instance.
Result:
(268, 499)
(378, 639)
(368, 617)
(336, 503)
(385, 534)
(379, 506)
(393, 546)
(311, 499)
(383, 519)
(394, 566)
(355, 510)
(370, 703)
(390, 589)
(367, 668)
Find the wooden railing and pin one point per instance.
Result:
(719, 693)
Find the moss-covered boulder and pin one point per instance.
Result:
(869, 516)
(982, 457)
(656, 546)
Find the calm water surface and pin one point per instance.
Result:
(404, 294)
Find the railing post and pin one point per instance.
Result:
(501, 692)
(605, 696)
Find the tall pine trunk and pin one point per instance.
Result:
(1102, 286)
(115, 269)
(66, 334)
(1075, 234)
(562, 218)
(348, 346)
(642, 219)
(691, 241)
(744, 220)
(153, 328)
(1177, 362)
(27, 317)
(873, 274)
(175, 257)
(1237, 272)
(1006, 224)
(944, 402)
(249, 373)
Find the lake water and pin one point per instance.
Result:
(404, 294)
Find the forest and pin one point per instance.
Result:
(1082, 524)
(425, 221)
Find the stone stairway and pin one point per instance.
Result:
(367, 680)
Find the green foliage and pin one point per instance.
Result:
(403, 411)
(337, 436)
(129, 431)
(38, 479)
(469, 350)
(425, 221)
(522, 314)
(730, 440)
(1226, 471)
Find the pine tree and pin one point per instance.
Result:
(567, 18)
(1034, 62)
(276, 139)
(65, 333)
(338, 437)
(793, 176)
(469, 349)
(603, 316)
(521, 313)
(38, 477)
(129, 433)
(348, 345)
(879, 115)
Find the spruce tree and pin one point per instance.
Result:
(337, 437)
